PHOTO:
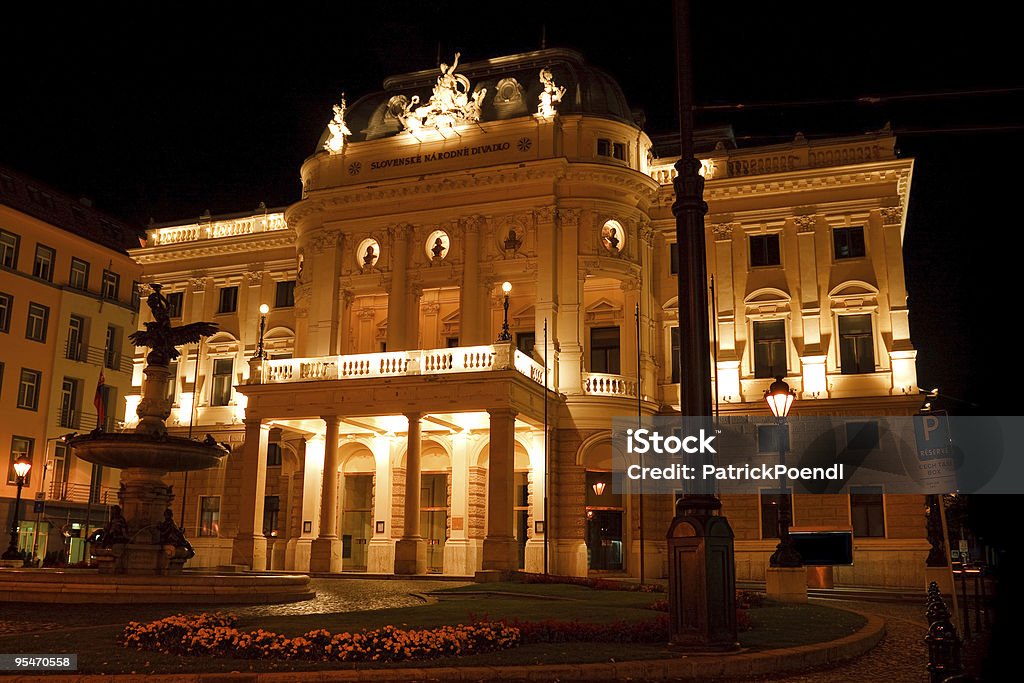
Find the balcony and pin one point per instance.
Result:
(400, 363)
(72, 492)
(76, 419)
(604, 384)
(95, 355)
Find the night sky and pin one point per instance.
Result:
(165, 110)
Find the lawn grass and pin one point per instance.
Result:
(774, 626)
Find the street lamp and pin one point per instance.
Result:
(505, 334)
(260, 353)
(779, 398)
(21, 467)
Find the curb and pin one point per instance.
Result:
(768, 662)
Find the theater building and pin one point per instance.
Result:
(391, 426)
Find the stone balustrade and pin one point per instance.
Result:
(604, 384)
(216, 229)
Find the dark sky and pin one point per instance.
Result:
(167, 109)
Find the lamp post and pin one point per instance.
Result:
(261, 354)
(21, 467)
(505, 335)
(779, 398)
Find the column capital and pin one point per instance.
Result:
(413, 416)
(503, 412)
(330, 420)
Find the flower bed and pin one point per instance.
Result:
(587, 582)
(216, 635)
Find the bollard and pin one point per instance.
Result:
(933, 603)
(943, 645)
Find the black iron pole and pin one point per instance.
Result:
(12, 550)
(547, 529)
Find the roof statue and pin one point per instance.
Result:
(451, 102)
(550, 95)
(339, 130)
(161, 337)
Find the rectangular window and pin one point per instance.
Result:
(604, 147)
(856, 344)
(38, 317)
(222, 369)
(76, 335)
(848, 242)
(136, 300)
(20, 446)
(770, 513)
(673, 258)
(79, 276)
(284, 297)
(619, 151)
(6, 311)
(172, 380)
(862, 436)
(61, 463)
(768, 438)
(867, 511)
(604, 349)
(68, 417)
(525, 342)
(271, 512)
(273, 455)
(228, 300)
(674, 343)
(111, 348)
(209, 516)
(42, 268)
(764, 250)
(9, 249)
(451, 342)
(111, 283)
(174, 304)
(769, 348)
(28, 389)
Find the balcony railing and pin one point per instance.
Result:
(79, 493)
(75, 419)
(603, 384)
(95, 355)
(400, 363)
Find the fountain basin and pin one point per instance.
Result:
(123, 450)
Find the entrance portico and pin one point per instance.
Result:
(422, 418)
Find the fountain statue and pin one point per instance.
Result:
(139, 539)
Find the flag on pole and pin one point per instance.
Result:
(97, 401)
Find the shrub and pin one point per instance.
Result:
(596, 584)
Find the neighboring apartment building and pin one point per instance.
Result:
(68, 301)
(384, 284)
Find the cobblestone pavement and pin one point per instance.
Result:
(333, 595)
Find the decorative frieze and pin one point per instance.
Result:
(722, 231)
(892, 215)
(805, 223)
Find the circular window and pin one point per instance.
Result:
(437, 245)
(613, 237)
(368, 253)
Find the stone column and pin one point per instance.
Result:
(398, 286)
(546, 307)
(500, 553)
(410, 550)
(535, 543)
(312, 473)
(381, 550)
(458, 558)
(250, 545)
(325, 553)
(569, 325)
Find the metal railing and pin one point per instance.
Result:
(75, 419)
(74, 492)
(110, 359)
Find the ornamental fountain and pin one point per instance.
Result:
(141, 552)
(141, 536)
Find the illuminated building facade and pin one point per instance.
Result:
(384, 283)
(68, 301)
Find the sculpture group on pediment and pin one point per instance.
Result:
(550, 95)
(451, 102)
(338, 128)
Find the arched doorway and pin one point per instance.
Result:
(435, 503)
(356, 527)
(605, 512)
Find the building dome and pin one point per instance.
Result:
(512, 86)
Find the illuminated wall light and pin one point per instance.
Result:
(241, 401)
(814, 381)
(184, 412)
(599, 487)
(131, 404)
